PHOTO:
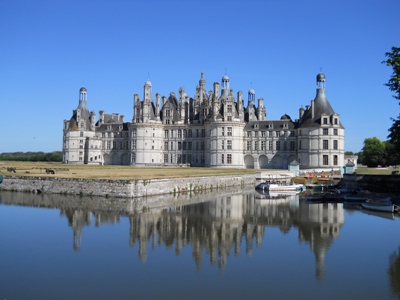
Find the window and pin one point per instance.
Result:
(248, 146)
(299, 144)
(285, 145)
(263, 146)
(229, 131)
(166, 133)
(184, 133)
(335, 144)
(167, 113)
(256, 145)
(325, 160)
(222, 159)
(103, 134)
(270, 146)
(189, 145)
(172, 133)
(229, 145)
(277, 133)
(335, 132)
(184, 146)
(166, 158)
(278, 145)
(335, 160)
(179, 133)
(109, 145)
(292, 133)
(271, 133)
(325, 121)
(179, 146)
(248, 133)
(172, 145)
(229, 108)
(229, 118)
(114, 145)
(263, 134)
(203, 133)
(166, 145)
(223, 131)
(223, 145)
(335, 121)
(292, 145)
(197, 133)
(325, 144)
(197, 145)
(81, 134)
(325, 131)
(202, 146)
(229, 158)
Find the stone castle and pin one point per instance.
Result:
(211, 129)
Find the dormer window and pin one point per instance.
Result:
(325, 120)
(270, 125)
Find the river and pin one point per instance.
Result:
(223, 245)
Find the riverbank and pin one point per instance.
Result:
(124, 188)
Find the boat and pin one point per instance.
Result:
(357, 198)
(383, 206)
(271, 185)
(1, 178)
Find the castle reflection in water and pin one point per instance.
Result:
(213, 225)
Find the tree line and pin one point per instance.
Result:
(55, 156)
(376, 152)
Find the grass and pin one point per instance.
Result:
(375, 171)
(113, 172)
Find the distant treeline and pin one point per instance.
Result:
(55, 156)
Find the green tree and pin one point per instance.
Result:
(393, 60)
(373, 152)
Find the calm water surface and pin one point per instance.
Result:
(214, 246)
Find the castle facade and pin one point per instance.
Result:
(212, 129)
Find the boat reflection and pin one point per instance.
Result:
(212, 224)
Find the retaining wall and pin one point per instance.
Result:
(374, 183)
(124, 188)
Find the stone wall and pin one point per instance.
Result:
(374, 183)
(124, 188)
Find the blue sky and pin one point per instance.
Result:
(49, 49)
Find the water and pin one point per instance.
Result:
(214, 246)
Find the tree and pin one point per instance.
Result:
(393, 60)
(373, 152)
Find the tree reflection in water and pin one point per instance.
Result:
(394, 273)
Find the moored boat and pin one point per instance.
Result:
(273, 186)
(1, 178)
(379, 206)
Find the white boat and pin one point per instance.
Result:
(379, 206)
(273, 186)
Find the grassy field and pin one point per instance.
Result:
(112, 172)
(375, 171)
(132, 173)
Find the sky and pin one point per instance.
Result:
(49, 49)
